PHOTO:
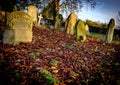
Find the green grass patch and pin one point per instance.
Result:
(53, 62)
(17, 75)
(102, 36)
(34, 55)
(51, 80)
(97, 35)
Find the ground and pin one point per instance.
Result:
(57, 58)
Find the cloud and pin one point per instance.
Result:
(100, 5)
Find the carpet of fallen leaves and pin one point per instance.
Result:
(78, 63)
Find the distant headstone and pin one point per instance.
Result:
(58, 21)
(110, 31)
(80, 31)
(70, 24)
(39, 19)
(18, 28)
(87, 29)
(32, 11)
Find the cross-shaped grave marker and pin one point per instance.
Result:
(39, 18)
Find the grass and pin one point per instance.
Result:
(17, 75)
(96, 35)
(53, 63)
(51, 80)
(102, 36)
(34, 55)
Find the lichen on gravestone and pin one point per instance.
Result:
(58, 22)
(80, 31)
(18, 28)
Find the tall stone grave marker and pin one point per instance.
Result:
(70, 24)
(18, 28)
(110, 31)
(32, 11)
(80, 31)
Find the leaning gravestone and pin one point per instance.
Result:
(70, 24)
(80, 31)
(110, 31)
(32, 11)
(18, 28)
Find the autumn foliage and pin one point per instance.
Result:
(56, 58)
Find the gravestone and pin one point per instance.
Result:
(87, 29)
(80, 31)
(58, 21)
(32, 11)
(18, 28)
(70, 24)
(39, 19)
(110, 31)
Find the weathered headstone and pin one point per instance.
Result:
(70, 24)
(87, 29)
(39, 19)
(18, 28)
(80, 31)
(58, 21)
(32, 11)
(110, 31)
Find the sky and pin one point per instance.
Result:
(103, 12)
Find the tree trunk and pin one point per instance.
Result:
(56, 14)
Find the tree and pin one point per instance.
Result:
(7, 5)
(118, 20)
(69, 5)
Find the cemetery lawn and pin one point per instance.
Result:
(102, 36)
(55, 58)
(97, 35)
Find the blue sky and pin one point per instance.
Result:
(103, 12)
